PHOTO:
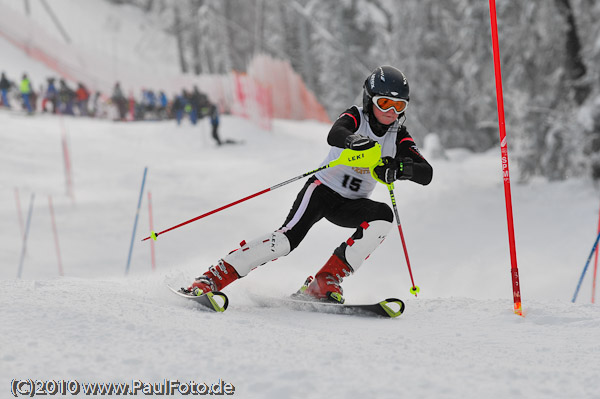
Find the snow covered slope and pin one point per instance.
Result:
(458, 339)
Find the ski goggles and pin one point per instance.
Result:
(385, 103)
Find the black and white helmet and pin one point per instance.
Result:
(385, 81)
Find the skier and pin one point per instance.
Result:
(340, 194)
(214, 122)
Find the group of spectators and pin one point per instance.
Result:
(193, 104)
(60, 98)
(52, 98)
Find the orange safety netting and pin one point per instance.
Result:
(270, 88)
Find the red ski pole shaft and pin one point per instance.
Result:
(361, 159)
(414, 289)
(155, 235)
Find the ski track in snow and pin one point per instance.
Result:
(103, 330)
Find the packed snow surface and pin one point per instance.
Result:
(459, 338)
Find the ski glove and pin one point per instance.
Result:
(392, 169)
(359, 143)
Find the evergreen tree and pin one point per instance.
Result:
(550, 56)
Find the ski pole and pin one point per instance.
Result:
(585, 268)
(360, 159)
(137, 214)
(414, 289)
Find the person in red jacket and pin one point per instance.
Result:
(82, 96)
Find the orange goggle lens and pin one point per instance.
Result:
(386, 103)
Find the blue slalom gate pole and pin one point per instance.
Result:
(24, 248)
(585, 268)
(137, 214)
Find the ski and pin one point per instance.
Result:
(388, 308)
(215, 301)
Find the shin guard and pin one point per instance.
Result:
(363, 242)
(258, 252)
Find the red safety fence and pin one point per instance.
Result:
(290, 98)
(270, 88)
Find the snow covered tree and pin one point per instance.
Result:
(550, 54)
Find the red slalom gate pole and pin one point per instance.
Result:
(67, 161)
(505, 170)
(60, 268)
(151, 229)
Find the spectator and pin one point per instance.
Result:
(4, 87)
(95, 105)
(162, 105)
(193, 105)
(204, 107)
(200, 106)
(66, 97)
(26, 93)
(149, 101)
(120, 101)
(83, 95)
(179, 106)
(51, 96)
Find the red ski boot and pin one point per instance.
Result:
(215, 279)
(326, 284)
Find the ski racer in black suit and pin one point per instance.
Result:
(340, 194)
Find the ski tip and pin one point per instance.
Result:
(393, 307)
(215, 300)
(218, 300)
